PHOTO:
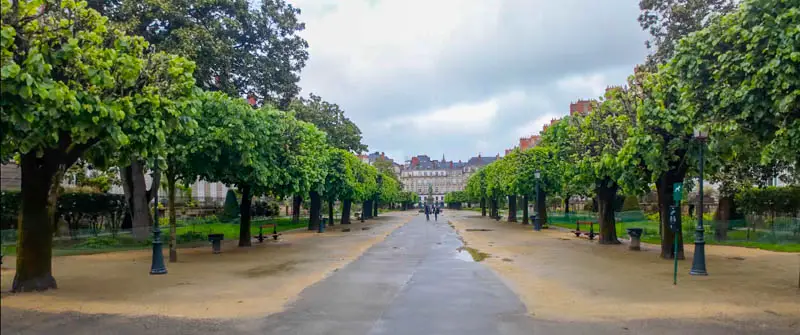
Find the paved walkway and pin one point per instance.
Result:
(414, 282)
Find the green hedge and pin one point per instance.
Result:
(784, 200)
(97, 210)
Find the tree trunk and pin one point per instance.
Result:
(315, 211)
(35, 241)
(665, 200)
(138, 197)
(723, 216)
(566, 205)
(525, 219)
(375, 208)
(541, 208)
(331, 202)
(244, 220)
(605, 202)
(483, 206)
(52, 199)
(495, 211)
(512, 208)
(297, 201)
(346, 211)
(173, 225)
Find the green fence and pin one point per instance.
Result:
(751, 231)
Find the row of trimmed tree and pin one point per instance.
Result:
(736, 78)
(111, 90)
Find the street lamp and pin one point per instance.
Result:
(157, 266)
(699, 259)
(537, 222)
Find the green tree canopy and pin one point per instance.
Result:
(70, 82)
(328, 117)
(239, 49)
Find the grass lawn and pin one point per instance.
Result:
(190, 233)
(736, 238)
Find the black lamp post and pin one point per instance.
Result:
(537, 222)
(157, 267)
(699, 259)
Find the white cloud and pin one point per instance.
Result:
(465, 119)
(535, 126)
(592, 85)
(458, 76)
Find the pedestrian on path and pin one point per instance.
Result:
(427, 213)
(436, 214)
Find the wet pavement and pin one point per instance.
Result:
(416, 281)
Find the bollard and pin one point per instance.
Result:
(636, 238)
(216, 242)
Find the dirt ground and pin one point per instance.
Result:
(563, 278)
(239, 282)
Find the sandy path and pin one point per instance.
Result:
(240, 282)
(562, 278)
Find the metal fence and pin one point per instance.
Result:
(753, 228)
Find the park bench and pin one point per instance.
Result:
(275, 233)
(590, 234)
(216, 241)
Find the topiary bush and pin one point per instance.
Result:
(631, 203)
(231, 210)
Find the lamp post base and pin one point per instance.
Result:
(699, 260)
(158, 267)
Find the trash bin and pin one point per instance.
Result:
(535, 223)
(636, 238)
(321, 228)
(216, 241)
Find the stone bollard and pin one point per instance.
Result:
(636, 238)
(216, 242)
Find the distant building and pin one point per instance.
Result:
(432, 179)
(581, 107)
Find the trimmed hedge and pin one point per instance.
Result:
(785, 200)
(97, 210)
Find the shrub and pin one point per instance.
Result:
(9, 208)
(764, 200)
(631, 203)
(190, 236)
(75, 206)
(101, 210)
(231, 210)
(98, 243)
(265, 208)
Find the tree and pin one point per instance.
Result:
(741, 73)
(543, 159)
(476, 189)
(668, 21)
(239, 49)
(601, 136)
(328, 117)
(65, 89)
(660, 147)
(563, 138)
(240, 147)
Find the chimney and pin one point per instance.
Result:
(251, 99)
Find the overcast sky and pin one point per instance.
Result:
(462, 77)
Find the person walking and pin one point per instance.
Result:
(436, 214)
(427, 213)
